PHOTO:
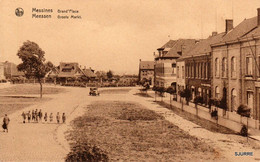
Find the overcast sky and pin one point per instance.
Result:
(114, 34)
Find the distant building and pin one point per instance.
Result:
(10, 70)
(2, 75)
(70, 71)
(146, 71)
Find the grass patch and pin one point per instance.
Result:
(126, 131)
(29, 89)
(114, 91)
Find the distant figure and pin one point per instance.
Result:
(40, 115)
(33, 115)
(51, 117)
(36, 115)
(58, 117)
(24, 117)
(45, 117)
(29, 117)
(6, 121)
(63, 118)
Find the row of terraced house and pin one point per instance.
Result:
(225, 66)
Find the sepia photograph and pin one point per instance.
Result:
(130, 80)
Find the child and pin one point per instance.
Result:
(24, 117)
(36, 115)
(45, 117)
(63, 118)
(58, 117)
(33, 115)
(51, 117)
(40, 115)
(29, 117)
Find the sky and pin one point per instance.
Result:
(113, 34)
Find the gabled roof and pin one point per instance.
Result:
(204, 46)
(169, 44)
(254, 33)
(89, 73)
(241, 29)
(181, 46)
(146, 65)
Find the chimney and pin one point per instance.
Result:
(140, 60)
(258, 17)
(229, 25)
(214, 33)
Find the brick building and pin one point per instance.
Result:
(146, 71)
(198, 68)
(235, 66)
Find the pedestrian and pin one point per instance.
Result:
(63, 118)
(45, 117)
(36, 115)
(51, 117)
(40, 115)
(29, 117)
(33, 115)
(24, 117)
(6, 121)
(58, 117)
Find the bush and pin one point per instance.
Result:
(243, 110)
(83, 152)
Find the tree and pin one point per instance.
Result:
(109, 74)
(49, 66)
(155, 89)
(171, 91)
(186, 93)
(33, 62)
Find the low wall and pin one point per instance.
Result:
(227, 119)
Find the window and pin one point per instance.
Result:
(217, 92)
(199, 92)
(173, 68)
(217, 67)
(249, 66)
(224, 67)
(233, 100)
(178, 71)
(233, 67)
(182, 68)
(250, 96)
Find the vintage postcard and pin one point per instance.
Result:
(129, 80)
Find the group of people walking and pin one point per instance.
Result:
(36, 116)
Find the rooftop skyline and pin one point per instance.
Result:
(114, 34)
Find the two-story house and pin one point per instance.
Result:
(235, 66)
(165, 61)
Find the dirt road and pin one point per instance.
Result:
(46, 142)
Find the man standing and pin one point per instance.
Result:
(6, 121)
(58, 117)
